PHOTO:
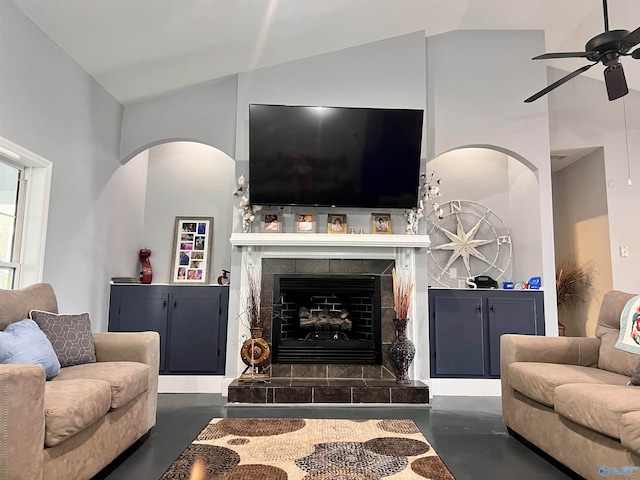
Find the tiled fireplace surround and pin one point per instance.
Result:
(327, 383)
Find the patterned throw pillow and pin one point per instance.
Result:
(70, 336)
(24, 342)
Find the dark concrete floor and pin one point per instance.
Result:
(467, 433)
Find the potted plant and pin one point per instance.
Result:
(573, 284)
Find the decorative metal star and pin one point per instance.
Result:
(463, 244)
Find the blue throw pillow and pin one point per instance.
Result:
(24, 342)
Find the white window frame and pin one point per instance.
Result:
(33, 209)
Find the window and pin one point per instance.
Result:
(25, 183)
(11, 221)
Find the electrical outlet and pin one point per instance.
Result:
(624, 252)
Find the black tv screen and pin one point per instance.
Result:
(334, 156)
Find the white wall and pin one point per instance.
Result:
(202, 113)
(187, 179)
(581, 115)
(53, 108)
(476, 84)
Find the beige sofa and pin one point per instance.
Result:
(569, 396)
(74, 425)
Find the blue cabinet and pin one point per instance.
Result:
(465, 328)
(191, 321)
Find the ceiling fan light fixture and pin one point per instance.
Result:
(615, 81)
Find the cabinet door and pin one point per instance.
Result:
(140, 311)
(458, 337)
(508, 315)
(195, 321)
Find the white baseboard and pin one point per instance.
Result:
(468, 387)
(191, 384)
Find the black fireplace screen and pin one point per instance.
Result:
(327, 319)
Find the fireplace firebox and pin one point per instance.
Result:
(326, 319)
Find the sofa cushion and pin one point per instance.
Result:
(538, 381)
(127, 380)
(70, 406)
(608, 331)
(630, 431)
(597, 407)
(24, 342)
(70, 336)
(16, 304)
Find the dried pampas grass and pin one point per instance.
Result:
(402, 290)
(254, 315)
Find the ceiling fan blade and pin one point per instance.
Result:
(564, 55)
(556, 84)
(615, 80)
(630, 40)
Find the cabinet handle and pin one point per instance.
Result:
(164, 304)
(479, 309)
(175, 303)
(491, 308)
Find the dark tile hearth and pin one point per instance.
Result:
(281, 390)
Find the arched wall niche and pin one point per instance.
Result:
(506, 183)
(185, 178)
(126, 158)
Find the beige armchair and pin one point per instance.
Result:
(74, 425)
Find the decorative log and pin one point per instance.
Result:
(324, 320)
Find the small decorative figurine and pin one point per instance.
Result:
(224, 278)
(146, 274)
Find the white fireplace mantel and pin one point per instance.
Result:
(323, 244)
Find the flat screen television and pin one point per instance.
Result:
(334, 156)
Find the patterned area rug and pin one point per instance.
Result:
(292, 449)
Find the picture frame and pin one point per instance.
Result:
(337, 223)
(381, 224)
(305, 223)
(192, 247)
(270, 223)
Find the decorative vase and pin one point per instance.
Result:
(146, 275)
(402, 351)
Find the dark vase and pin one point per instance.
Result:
(402, 351)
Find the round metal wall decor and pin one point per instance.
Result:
(255, 352)
(469, 240)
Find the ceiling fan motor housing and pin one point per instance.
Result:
(607, 42)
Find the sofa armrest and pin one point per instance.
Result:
(21, 421)
(143, 347)
(530, 348)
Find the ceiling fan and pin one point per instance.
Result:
(607, 48)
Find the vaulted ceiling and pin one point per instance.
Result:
(141, 48)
